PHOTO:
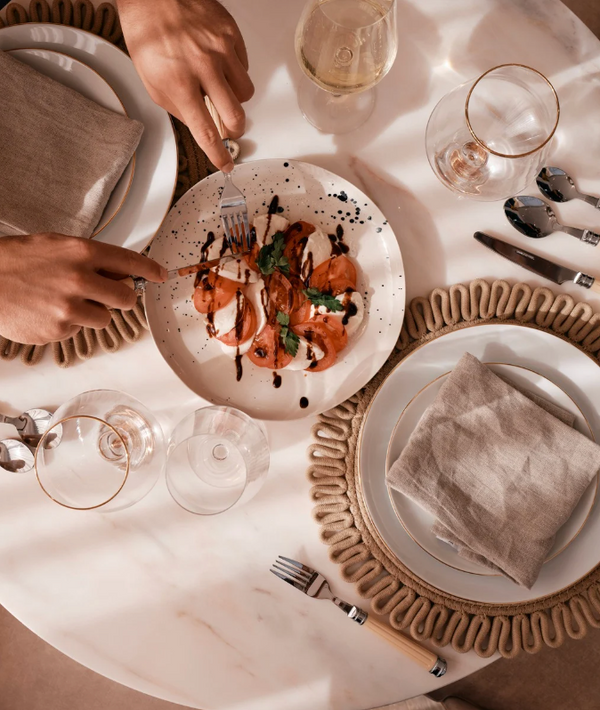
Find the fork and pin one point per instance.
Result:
(233, 206)
(314, 585)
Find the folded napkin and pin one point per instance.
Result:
(61, 154)
(499, 472)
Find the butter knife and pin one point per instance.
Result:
(537, 264)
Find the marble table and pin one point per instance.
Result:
(181, 607)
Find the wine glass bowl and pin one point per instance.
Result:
(103, 450)
(488, 138)
(218, 458)
(345, 48)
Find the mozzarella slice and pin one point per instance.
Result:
(350, 319)
(267, 225)
(224, 319)
(237, 270)
(215, 250)
(316, 251)
(255, 293)
(302, 359)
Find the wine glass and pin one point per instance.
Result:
(103, 450)
(488, 138)
(345, 47)
(218, 458)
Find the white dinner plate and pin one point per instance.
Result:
(155, 175)
(88, 83)
(574, 372)
(417, 522)
(307, 193)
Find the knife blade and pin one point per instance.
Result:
(537, 264)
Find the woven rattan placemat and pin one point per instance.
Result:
(396, 591)
(125, 327)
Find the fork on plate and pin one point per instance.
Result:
(314, 585)
(233, 206)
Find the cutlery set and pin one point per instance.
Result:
(17, 455)
(534, 218)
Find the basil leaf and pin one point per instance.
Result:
(271, 256)
(283, 318)
(291, 343)
(323, 299)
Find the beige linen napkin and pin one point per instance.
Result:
(61, 155)
(500, 473)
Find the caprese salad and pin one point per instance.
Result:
(291, 303)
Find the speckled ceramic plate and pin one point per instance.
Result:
(305, 192)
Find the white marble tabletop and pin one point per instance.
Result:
(183, 607)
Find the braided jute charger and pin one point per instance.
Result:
(193, 166)
(410, 602)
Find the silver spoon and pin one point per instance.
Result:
(15, 456)
(535, 218)
(557, 186)
(31, 425)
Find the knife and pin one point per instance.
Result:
(537, 264)
(139, 284)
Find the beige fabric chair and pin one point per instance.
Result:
(565, 678)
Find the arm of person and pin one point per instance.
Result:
(51, 285)
(184, 49)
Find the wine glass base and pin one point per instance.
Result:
(333, 113)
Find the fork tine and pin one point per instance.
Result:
(226, 230)
(302, 582)
(234, 231)
(292, 574)
(241, 231)
(299, 586)
(310, 570)
(292, 571)
(249, 240)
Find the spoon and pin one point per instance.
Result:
(31, 425)
(557, 186)
(15, 456)
(535, 218)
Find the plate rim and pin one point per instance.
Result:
(398, 278)
(475, 603)
(397, 512)
(32, 25)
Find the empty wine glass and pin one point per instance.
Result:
(345, 47)
(488, 138)
(102, 450)
(218, 458)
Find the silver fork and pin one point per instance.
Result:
(233, 206)
(314, 585)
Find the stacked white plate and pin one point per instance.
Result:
(103, 73)
(536, 360)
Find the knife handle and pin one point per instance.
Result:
(595, 286)
(408, 646)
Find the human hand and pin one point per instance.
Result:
(52, 285)
(183, 49)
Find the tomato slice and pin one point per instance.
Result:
(252, 257)
(336, 330)
(281, 292)
(296, 237)
(247, 327)
(267, 349)
(213, 292)
(319, 334)
(334, 276)
(301, 313)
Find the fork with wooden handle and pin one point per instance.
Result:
(314, 585)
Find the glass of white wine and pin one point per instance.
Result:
(345, 47)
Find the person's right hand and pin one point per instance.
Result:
(52, 285)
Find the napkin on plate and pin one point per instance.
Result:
(500, 473)
(61, 154)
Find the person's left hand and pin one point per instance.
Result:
(183, 49)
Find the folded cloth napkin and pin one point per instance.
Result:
(61, 154)
(499, 472)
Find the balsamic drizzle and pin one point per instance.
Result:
(303, 403)
(276, 380)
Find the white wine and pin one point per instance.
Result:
(347, 46)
